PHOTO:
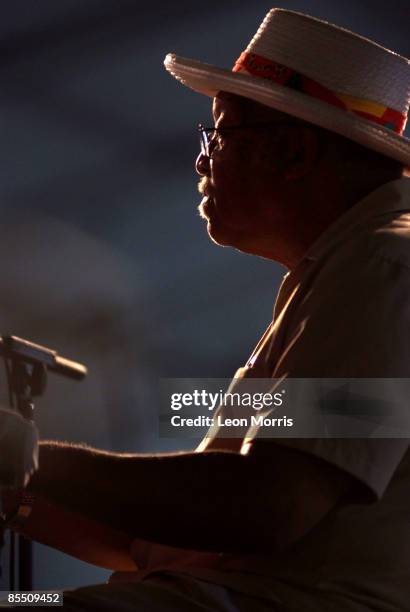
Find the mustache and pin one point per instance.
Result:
(203, 186)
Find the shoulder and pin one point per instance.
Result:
(353, 317)
(372, 263)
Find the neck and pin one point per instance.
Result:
(314, 212)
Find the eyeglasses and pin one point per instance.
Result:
(207, 134)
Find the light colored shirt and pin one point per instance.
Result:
(344, 311)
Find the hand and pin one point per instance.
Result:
(18, 449)
(9, 502)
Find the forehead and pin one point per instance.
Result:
(227, 105)
(242, 109)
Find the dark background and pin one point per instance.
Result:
(102, 253)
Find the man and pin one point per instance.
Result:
(303, 167)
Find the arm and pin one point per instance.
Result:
(77, 535)
(204, 501)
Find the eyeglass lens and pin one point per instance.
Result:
(205, 137)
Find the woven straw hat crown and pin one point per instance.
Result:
(342, 61)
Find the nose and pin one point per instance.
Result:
(202, 164)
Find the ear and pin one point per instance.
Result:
(301, 151)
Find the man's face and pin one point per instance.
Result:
(241, 180)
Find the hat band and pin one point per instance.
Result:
(262, 67)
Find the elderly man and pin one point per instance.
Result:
(304, 166)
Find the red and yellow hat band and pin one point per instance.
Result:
(262, 67)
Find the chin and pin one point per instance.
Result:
(222, 234)
(218, 237)
(219, 232)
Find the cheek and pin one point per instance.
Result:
(232, 181)
(237, 194)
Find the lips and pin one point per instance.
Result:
(208, 205)
(207, 193)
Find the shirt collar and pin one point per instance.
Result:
(390, 197)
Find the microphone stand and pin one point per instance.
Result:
(26, 368)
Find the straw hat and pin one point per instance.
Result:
(318, 72)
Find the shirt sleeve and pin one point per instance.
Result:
(353, 322)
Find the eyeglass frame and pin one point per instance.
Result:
(205, 140)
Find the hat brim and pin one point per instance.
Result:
(210, 80)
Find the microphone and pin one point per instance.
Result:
(18, 348)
